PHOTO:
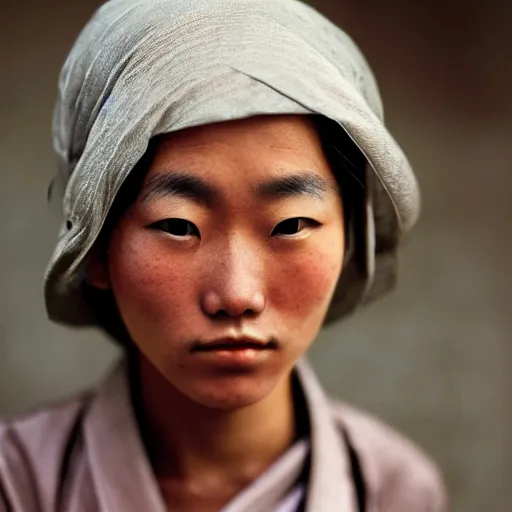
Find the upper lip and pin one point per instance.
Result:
(233, 342)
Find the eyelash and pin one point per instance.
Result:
(163, 225)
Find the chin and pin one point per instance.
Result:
(232, 392)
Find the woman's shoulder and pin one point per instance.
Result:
(35, 446)
(396, 471)
(43, 425)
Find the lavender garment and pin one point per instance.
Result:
(86, 455)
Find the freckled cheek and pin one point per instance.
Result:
(149, 282)
(305, 283)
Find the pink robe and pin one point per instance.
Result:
(86, 455)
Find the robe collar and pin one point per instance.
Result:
(123, 478)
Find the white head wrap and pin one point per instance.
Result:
(146, 67)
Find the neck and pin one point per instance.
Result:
(187, 441)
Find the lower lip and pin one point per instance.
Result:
(236, 356)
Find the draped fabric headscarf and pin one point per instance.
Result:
(141, 68)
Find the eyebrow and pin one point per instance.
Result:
(184, 184)
(304, 183)
(180, 184)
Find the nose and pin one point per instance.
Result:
(234, 283)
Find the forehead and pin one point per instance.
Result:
(282, 130)
(252, 147)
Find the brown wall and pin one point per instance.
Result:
(435, 358)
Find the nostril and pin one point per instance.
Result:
(222, 313)
(69, 225)
(225, 305)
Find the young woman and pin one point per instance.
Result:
(229, 188)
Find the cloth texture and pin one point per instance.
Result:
(86, 455)
(141, 68)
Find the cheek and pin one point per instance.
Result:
(146, 282)
(306, 282)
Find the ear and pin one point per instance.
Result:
(96, 269)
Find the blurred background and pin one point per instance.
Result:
(434, 359)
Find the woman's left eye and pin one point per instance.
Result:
(292, 226)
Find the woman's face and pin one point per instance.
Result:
(224, 267)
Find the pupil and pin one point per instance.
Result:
(179, 227)
(292, 225)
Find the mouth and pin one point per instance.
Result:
(234, 345)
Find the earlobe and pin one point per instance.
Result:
(96, 270)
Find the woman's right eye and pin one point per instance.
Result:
(177, 227)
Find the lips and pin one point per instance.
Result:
(233, 344)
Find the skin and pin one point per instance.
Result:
(235, 265)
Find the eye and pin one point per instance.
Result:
(292, 226)
(177, 227)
